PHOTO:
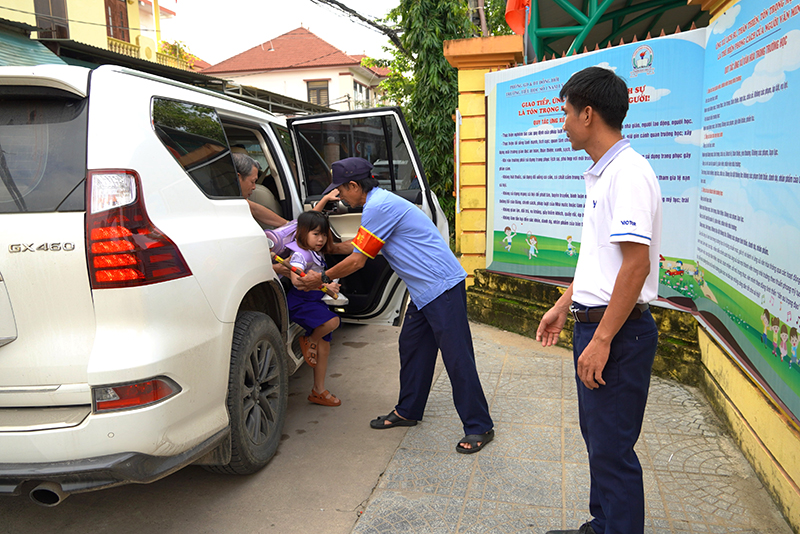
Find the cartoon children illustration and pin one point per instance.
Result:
(690, 269)
(509, 236)
(794, 339)
(531, 241)
(765, 320)
(784, 338)
(776, 325)
(570, 249)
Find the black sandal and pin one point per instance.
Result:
(393, 419)
(473, 440)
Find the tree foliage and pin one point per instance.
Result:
(179, 50)
(423, 83)
(197, 120)
(496, 17)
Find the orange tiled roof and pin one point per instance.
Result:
(293, 50)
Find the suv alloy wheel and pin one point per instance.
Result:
(258, 392)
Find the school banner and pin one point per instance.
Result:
(748, 232)
(537, 189)
(710, 110)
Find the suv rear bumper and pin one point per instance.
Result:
(77, 476)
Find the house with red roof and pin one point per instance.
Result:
(300, 65)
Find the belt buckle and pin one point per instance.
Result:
(574, 312)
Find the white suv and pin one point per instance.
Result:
(142, 327)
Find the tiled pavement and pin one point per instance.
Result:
(535, 476)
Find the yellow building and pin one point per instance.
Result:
(127, 27)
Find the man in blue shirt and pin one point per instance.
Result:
(436, 318)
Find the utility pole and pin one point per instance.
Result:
(482, 13)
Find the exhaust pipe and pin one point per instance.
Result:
(48, 494)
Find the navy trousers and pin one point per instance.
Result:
(611, 420)
(441, 325)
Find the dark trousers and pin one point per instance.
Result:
(611, 420)
(441, 325)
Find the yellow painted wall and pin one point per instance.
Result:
(77, 10)
(471, 221)
(470, 228)
(81, 12)
(767, 437)
(87, 20)
(134, 22)
(17, 6)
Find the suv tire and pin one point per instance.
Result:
(258, 390)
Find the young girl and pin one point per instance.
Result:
(306, 308)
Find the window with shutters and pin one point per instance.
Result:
(318, 92)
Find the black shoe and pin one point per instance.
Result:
(393, 420)
(586, 528)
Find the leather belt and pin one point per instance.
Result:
(595, 315)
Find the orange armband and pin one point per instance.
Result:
(367, 243)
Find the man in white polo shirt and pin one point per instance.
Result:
(615, 337)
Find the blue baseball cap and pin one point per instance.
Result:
(348, 170)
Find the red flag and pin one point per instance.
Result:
(515, 15)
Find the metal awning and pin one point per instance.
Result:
(17, 49)
(76, 53)
(567, 26)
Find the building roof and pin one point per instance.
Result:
(297, 49)
(198, 64)
(17, 49)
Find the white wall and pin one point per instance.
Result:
(147, 21)
(292, 83)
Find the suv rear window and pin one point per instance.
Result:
(42, 151)
(194, 136)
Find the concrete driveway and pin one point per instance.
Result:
(331, 466)
(325, 470)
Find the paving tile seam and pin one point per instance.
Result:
(692, 482)
(473, 470)
(419, 495)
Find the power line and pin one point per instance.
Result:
(391, 33)
(68, 21)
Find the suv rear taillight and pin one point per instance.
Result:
(124, 248)
(130, 396)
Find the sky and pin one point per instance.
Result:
(214, 34)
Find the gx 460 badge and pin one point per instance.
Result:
(44, 247)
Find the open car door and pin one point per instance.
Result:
(381, 136)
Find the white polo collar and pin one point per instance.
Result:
(597, 169)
